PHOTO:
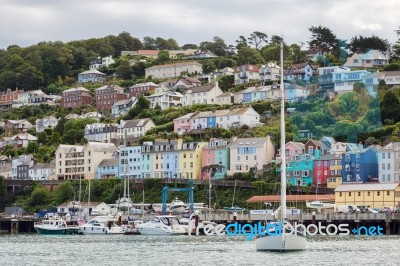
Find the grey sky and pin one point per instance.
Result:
(27, 22)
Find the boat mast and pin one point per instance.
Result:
(234, 191)
(283, 142)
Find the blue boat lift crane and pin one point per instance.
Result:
(189, 191)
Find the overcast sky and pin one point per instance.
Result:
(27, 22)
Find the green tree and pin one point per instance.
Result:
(361, 44)
(208, 66)
(390, 106)
(323, 39)
(124, 70)
(149, 43)
(257, 39)
(64, 192)
(163, 57)
(217, 46)
(247, 55)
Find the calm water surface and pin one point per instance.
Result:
(32, 249)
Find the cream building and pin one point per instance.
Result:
(76, 161)
(374, 195)
(173, 70)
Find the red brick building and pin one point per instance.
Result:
(107, 95)
(7, 98)
(141, 88)
(75, 98)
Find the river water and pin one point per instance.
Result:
(32, 249)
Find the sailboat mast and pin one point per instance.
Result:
(283, 142)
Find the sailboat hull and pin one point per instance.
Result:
(290, 242)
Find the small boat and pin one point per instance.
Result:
(320, 205)
(177, 206)
(233, 209)
(52, 226)
(131, 227)
(102, 225)
(162, 225)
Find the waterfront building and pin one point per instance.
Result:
(247, 153)
(81, 162)
(215, 159)
(108, 169)
(189, 159)
(300, 170)
(389, 163)
(360, 166)
(334, 177)
(130, 162)
(372, 195)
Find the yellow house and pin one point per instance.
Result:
(374, 195)
(333, 181)
(190, 159)
(334, 178)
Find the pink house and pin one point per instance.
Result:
(247, 153)
(292, 148)
(182, 124)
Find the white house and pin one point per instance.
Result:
(165, 99)
(41, 171)
(202, 95)
(101, 62)
(303, 71)
(269, 72)
(135, 128)
(100, 132)
(344, 80)
(20, 166)
(122, 107)
(17, 141)
(224, 98)
(46, 122)
(187, 83)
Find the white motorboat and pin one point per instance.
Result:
(283, 240)
(162, 225)
(177, 206)
(131, 227)
(320, 205)
(101, 225)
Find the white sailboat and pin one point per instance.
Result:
(285, 241)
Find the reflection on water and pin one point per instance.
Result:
(183, 250)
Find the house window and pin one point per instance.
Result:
(387, 193)
(340, 194)
(378, 193)
(347, 157)
(383, 155)
(359, 193)
(349, 194)
(369, 193)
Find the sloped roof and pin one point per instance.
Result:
(366, 187)
(110, 162)
(76, 89)
(175, 65)
(135, 123)
(92, 71)
(67, 148)
(243, 142)
(225, 94)
(291, 198)
(202, 88)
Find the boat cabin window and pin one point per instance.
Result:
(156, 220)
(174, 220)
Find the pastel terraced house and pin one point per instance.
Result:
(160, 159)
(247, 153)
(334, 178)
(389, 163)
(300, 170)
(215, 159)
(293, 150)
(189, 158)
(130, 158)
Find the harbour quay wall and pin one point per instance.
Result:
(390, 222)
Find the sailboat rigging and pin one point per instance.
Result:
(286, 241)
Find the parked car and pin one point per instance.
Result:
(386, 209)
(397, 210)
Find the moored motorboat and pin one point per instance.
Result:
(162, 225)
(54, 226)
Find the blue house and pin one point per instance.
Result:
(130, 162)
(360, 166)
(211, 121)
(108, 169)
